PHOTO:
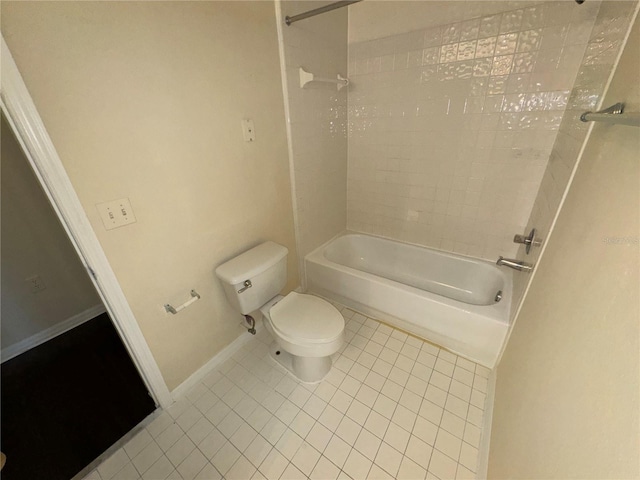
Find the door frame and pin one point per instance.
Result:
(21, 113)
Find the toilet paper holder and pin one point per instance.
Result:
(194, 298)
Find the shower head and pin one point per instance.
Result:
(580, 2)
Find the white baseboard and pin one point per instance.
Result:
(215, 361)
(45, 335)
(485, 439)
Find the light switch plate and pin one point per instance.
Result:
(116, 213)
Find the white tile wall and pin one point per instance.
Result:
(318, 116)
(392, 406)
(451, 127)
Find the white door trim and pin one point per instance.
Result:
(21, 113)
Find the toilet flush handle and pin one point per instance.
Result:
(247, 284)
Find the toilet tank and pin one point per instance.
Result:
(265, 266)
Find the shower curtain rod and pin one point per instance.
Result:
(317, 11)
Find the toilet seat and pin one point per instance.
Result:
(306, 318)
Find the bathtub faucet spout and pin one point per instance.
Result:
(515, 264)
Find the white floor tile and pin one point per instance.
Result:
(273, 465)
(180, 450)
(453, 424)
(416, 385)
(358, 412)
(391, 407)
(217, 413)
(474, 415)
(230, 424)
(246, 406)
(337, 451)
(404, 417)
(225, 458)
(289, 443)
(129, 472)
(160, 470)
(462, 375)
(425, 430)
(442, 466)
(306, 458)
(292, 473)
(377, 424)
(147, 457)
(137, 443)
(410, 470)
(348, 430)
(273, 430)
(210, 445)
(188, 418)
(299, 396)
(448, 444)
(392, 390)
(367, 444)
(258, 450)
(94, 475)
(377, 473)
(243, 437)
(259, 418)
(419, 451)
(206, 401)
(469, 456)
(341, 401)
(113, 464)
(464, 473)
(397, 437)
(200, 430)
(302, 424)
(389, 459)
(431, 412)
(241, 470)
(191, 466)
(324, 470)
(456, 406)
(472, 435)
(209, 472)
(357, 465)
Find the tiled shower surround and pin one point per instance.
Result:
(318, 117)
(451, 127)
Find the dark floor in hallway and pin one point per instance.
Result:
(68, 400)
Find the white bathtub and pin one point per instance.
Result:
(441, 297)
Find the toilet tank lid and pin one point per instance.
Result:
(251, 263)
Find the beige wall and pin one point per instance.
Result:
(145, 100)
(567, 396)
(34, 243)
(605, 41)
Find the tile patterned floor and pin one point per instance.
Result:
(392, 406)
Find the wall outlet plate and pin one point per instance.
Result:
(116, 213)
(36, 284)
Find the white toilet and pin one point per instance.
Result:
(307, 329)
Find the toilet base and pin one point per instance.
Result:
(305, 369)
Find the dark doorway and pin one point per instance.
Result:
(67, 401)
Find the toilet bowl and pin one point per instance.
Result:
(307, 331)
